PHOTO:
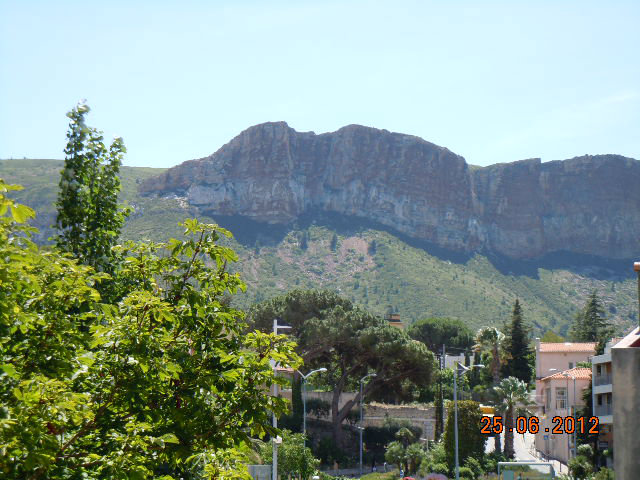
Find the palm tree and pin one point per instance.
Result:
(513, 399)
(490, 340)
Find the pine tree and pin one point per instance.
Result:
(89, 219)
(590, 324)
(517, 347)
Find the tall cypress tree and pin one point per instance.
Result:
(517, 347)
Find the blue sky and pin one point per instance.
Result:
(492, 81)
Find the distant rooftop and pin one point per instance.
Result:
(587, 347)
(579, 373)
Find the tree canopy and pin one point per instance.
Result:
(435, 332)
(590, 323)
(89, 219)
(350, 342)
(164, 382)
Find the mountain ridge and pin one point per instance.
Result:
(522, 210)
(416, 278)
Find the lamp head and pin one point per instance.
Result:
(322, 369)
(636, 266)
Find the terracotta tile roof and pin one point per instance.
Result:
(589, 347)
(579, 373)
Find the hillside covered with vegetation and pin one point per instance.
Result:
(373, 267)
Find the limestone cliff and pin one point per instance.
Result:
(271, 173)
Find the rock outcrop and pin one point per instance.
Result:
(525, 209)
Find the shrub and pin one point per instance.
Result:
(440, 468)
(580, 467)
(475, 466)
(466, 472)
(605, 474)
(585, 450)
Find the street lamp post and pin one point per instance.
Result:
(275, 441)
(304, 400)
(361, 427)
(460, 370)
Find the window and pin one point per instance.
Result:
(570, 364)
(561, 398)
(547, 401)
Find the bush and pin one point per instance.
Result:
(491, 461)
(328, 452)
(475, 466)
(585, 450)
(466, 472)
(605, 474)
(440, 468)
(580, 467)
(318, 407)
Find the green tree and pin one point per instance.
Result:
(435, 332)
(590, 324)
(89, 219)
(415, 455)
(293, 457)
(470, 441)
(552, 337)
(490, 340)
(165, 381)
(512, 399)
(516, 347)
(395, 454)
(350, 342)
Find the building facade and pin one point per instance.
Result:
(625, 367)
(556, 357)
(562, 396)
(602, 375)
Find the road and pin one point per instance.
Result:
(523, 446)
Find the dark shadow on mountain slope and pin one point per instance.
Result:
(251, 233)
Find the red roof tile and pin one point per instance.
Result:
(579, 373)
(589, 347)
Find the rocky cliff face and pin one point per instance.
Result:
(271, 173)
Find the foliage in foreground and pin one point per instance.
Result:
(164, 382)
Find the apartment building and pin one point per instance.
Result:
(556, 357)
(602, 374)
(562, 394)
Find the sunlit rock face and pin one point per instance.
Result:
(271, 173)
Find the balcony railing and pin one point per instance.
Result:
(602, 380)
(603, 410)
